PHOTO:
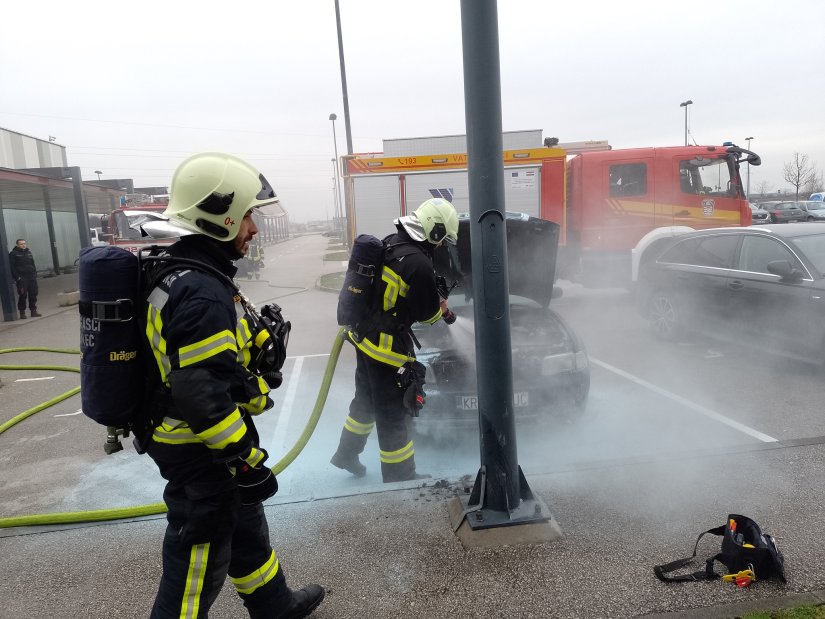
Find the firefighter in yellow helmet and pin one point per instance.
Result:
(385, 356)
(217, 359)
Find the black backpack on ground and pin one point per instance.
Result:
(744, 547)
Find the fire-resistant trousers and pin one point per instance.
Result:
(210, 535)
(379, 402)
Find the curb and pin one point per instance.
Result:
(733, 611)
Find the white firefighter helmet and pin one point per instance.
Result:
(435, 220)
(211, 193)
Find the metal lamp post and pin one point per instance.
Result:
(333, 117)
(748, 188)
(685, 105)
(336, 199)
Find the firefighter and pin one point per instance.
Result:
(255, 258)
(204, 440)
(408, 293)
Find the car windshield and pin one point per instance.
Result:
(813, 246)
(814, 206)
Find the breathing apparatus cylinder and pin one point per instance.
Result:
(112, 380)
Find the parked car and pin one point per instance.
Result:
(814, 211)
(551, 372)
(761, 285)
(784, 212)
(759, 215)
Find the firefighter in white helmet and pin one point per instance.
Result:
(207, 342)
(407, 292)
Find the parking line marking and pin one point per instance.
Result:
(28, 380)
(687, 403)
(286, 407)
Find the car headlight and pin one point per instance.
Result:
(564, 362)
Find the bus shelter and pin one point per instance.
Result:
(50, 208)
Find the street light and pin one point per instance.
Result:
(336, 200)
(685, 105)
(98, 172)
(748, 189)
(333, 117)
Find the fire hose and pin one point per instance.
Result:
(152, 509)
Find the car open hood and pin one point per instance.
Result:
(532, 245)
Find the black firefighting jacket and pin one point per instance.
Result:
(408, 294)
(21, 262)
(200, 335)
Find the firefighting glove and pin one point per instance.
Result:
(411, 378)
(414, 399)
(256, 482)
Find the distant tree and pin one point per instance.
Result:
(798, 171)
(815, 183)
(763, 188)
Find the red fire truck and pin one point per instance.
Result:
(122, 227)
(612, 205)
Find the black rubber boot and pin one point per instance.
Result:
(22, 315)
(351, 464)
(304, 601)
(34, 314)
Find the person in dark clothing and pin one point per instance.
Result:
(215, 355)
(24, 274)
(408, 294)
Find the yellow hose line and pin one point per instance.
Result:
(17, 419)
(319, 405)
(102, 515)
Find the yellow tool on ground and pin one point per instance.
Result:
(743, 578)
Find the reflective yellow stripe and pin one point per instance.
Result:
(230, 429)
(356, 427)
(174, 432)
(244, 336)
(383, 355)
(198, 558)
(255, 405)
(259, 577)
(209, 347)
(394, 457)
(434, 319)
(394, 282)
(255, 457)
(154, 325)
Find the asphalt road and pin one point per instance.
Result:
(675, 436)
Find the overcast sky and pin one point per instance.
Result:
(133, 88)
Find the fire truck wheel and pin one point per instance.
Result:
(664, 315)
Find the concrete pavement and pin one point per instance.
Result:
(390, 551)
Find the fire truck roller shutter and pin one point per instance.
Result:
(377, 203)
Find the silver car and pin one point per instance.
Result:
(814, 211)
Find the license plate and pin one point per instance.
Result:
(470, 402)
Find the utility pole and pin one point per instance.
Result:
(748, 189)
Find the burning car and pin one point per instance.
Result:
(551, 373)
